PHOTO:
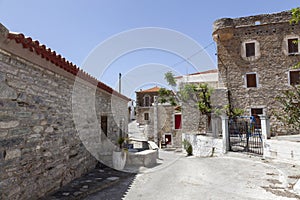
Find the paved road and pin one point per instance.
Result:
(181, 177)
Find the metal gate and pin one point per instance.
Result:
(245, 136)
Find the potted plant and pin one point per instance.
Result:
(119, 156)
(121, 140)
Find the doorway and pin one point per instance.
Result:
(168, 139)
(255, 112)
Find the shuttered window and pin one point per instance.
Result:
(251, 80)
(250, 49)
(146, 116)
(293, 45)
(294, 77)
(177, 121)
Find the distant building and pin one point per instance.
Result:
(162, 121)
(144, 101)
(165, 123)
(210, 77)
(192, 119)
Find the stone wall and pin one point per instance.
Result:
(271, 64)
(41, 145)
(192, 119)
(204, 146)
(283, 150)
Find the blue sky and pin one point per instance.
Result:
(75, 28)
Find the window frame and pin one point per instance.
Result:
(145, 97)
(251, 52)
(256, 52)
(289, 77)
(148, 116)
(294, 45)
(285, 45)
(180, 126)
(246, 79)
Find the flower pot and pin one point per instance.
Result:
(119, 160)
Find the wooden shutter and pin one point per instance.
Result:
(177, 121)
(294, 77)
(293, 45)
(104, 124)
(251, 80)
(146, 116)
(250, 49)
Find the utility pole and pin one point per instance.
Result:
(120, 76)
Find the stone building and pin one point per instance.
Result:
(55, 119)
(144, 102)
(255, 59)
(162, 121)
(192, 120)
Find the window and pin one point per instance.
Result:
(293, 45)
(146, 116)
(251, 80)
(177, 121)
(294, 77)
(104, 124)
(250, 49)
(147, 101)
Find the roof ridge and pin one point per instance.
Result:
(59, 61)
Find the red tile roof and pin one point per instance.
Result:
(59, 61)
(154, 89)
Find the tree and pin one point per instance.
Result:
(295, 15)
(290, 102)
(290, 99)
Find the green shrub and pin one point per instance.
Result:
(188, 147)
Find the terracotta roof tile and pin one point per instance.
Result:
(154, 89)
(59, 61)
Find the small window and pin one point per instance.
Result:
(146, 116)
(257, 22)
(250, 49)
(147, 101)
(294, 77)
(178, 121)
(293, 45)
(251, 80)
(104, 124)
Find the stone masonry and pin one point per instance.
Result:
(268, 65)
(40, 146)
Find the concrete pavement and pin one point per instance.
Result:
(100, 179)
(234, 176)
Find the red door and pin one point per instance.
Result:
(178, 121)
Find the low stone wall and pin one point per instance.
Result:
(145, 158)
(203, 145)
(283, 150)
